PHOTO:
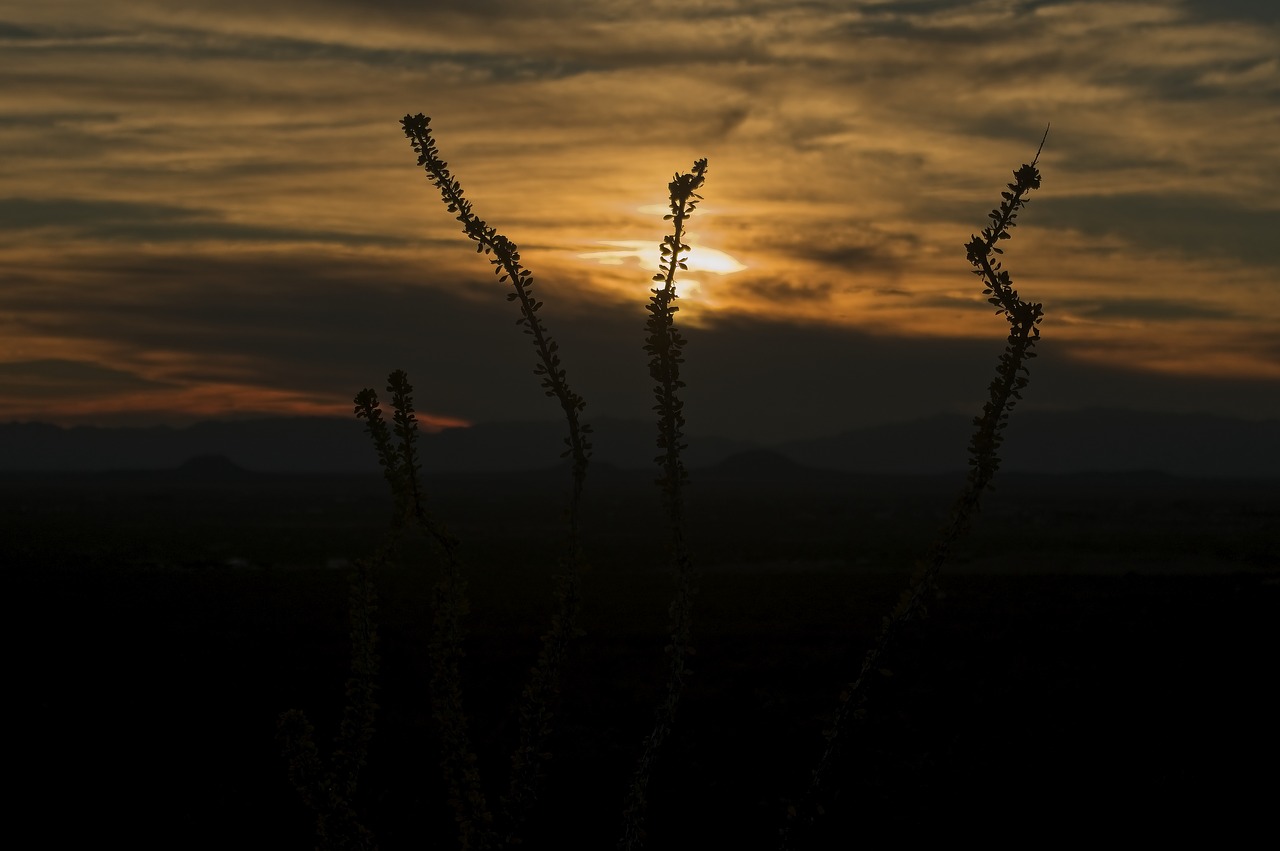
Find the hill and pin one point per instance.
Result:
(1093, 440)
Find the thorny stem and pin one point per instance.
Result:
(664, 345)
(539, 700)
(506, 257)
(1024, 319)
(449, 605)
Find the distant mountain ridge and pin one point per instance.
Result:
(1088, 440)
(311, 444)
(1091, 440)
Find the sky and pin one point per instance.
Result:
(209, 210)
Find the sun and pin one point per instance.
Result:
(702, 260)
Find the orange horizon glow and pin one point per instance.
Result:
(206, 402)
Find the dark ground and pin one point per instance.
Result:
(1102, 657)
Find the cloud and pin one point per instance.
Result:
(1259, 11)
(217, 195)
(1147, 308)
(317, 327)
(1173, 223)
(874, 253)
(56, 379)
(15, 32)
(138, 222)
(783, 292)
(302, 334)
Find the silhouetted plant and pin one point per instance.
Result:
(329, 787)
(665, 345)
(1004, 392)
(449, 606)
(540, 698)
(330, 790)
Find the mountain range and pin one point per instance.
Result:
(1091, 440)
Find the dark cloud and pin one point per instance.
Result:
(414, 10)
(16, 32)
(193, 45)
(198, 45)
(787, 291)
(975, 303)
(726, 120)
(596, 11)
(946, 21)
(852, 247)
(1083, 155)
(761, 379)
(1060, 381)
(1156, 309)
(630, 43)
(55, 378)
(325, 326)
(48, 120)
(150, 222)
(328, 328)
(1181, 225)
(849, 258)
(1259, 11)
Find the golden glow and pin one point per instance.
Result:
(205, 401)
(642, 252)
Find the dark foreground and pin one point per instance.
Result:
(1103, 657)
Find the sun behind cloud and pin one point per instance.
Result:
(701, 258)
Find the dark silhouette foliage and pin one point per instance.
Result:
(329, 786)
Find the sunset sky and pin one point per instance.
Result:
(209, 209)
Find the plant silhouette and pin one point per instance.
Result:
(329, 786)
